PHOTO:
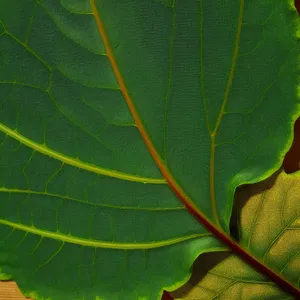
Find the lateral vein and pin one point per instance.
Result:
(76, 162)
(222, 111)
(97, 243)
(65, 197)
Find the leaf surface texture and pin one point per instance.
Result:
(110, 110)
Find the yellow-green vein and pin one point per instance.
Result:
(76, 162)
(65, 197)
(96, 243)
(221, 113)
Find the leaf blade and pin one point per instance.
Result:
(69, 79)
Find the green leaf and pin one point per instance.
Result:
(113, 111)
(269, 228)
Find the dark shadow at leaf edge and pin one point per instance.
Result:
(167, 296)
(297, 5)
(242, 195)
(291, 161)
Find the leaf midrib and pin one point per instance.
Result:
(217, 231)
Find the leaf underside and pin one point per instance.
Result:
(269, 227)
(111, 112)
